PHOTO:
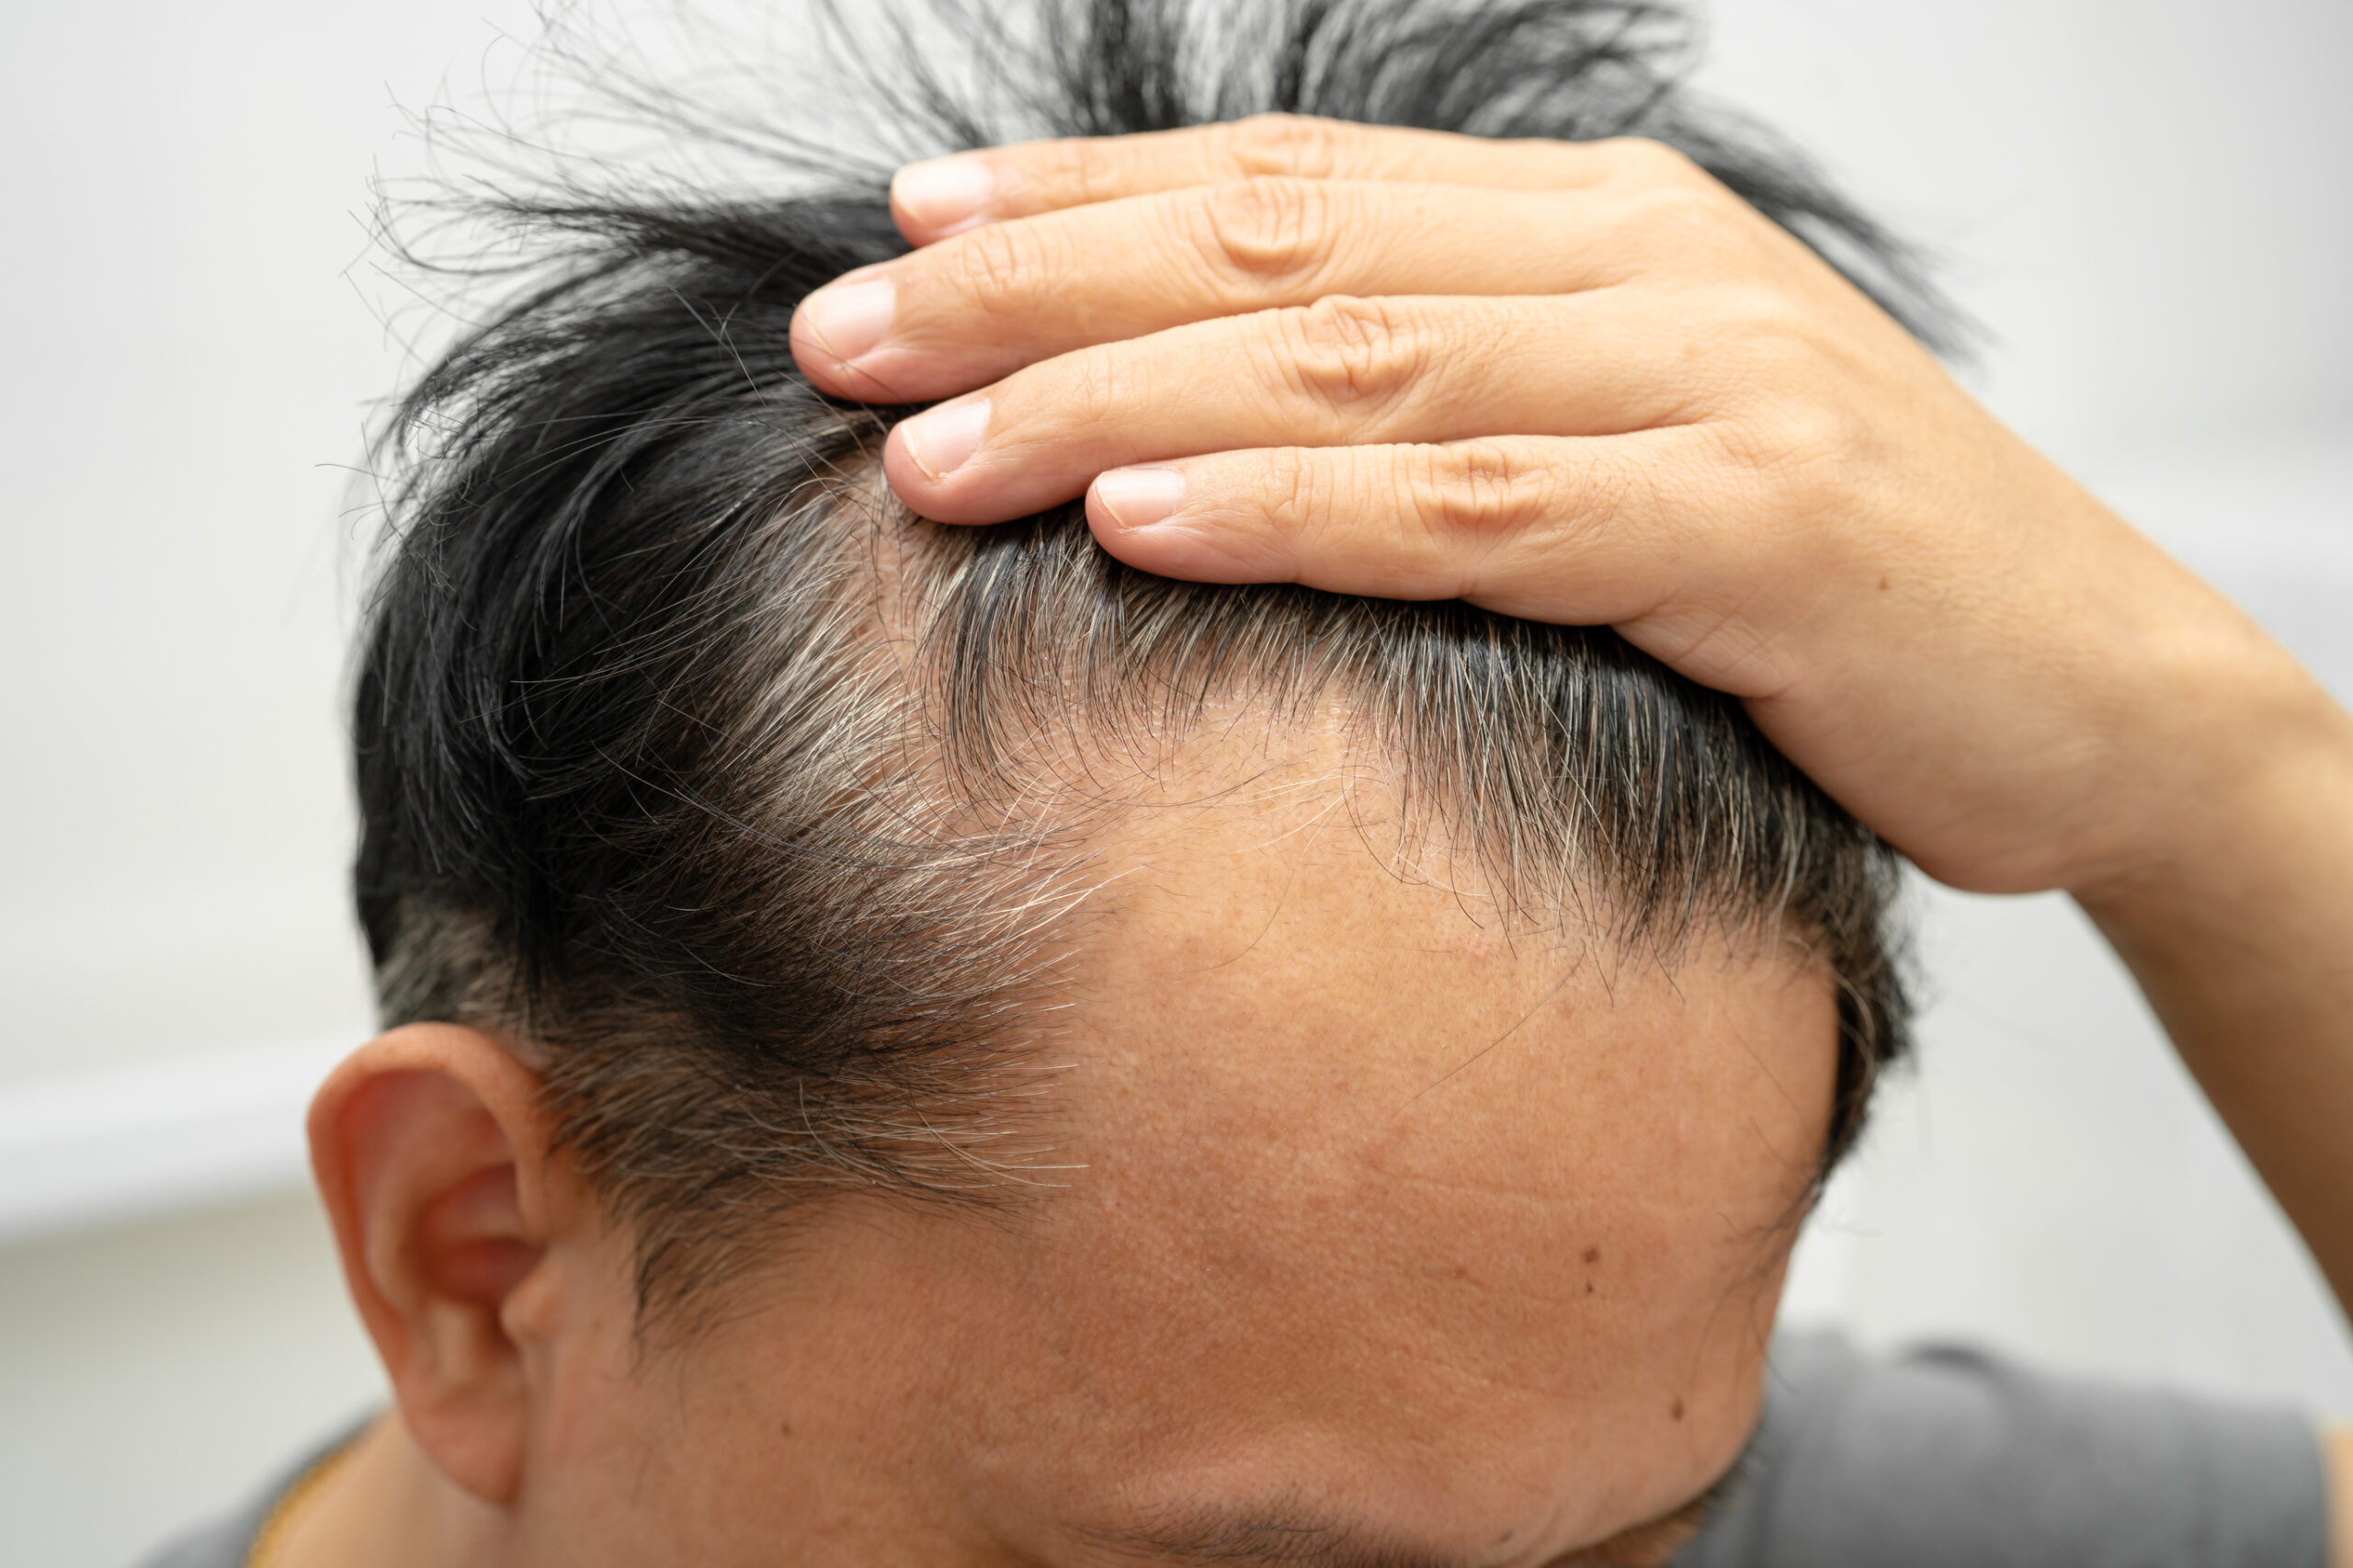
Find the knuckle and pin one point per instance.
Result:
(1681, 219)
(1643, 160)
(1296, 144)
(1292, 487)
(999, 266)
(1805, 454)
(1077, 169)
(1265, 229)
(1820, 437)
(1351, 354)
(1793, 390)
(1478, 489)
(1762, 312)
(1093, 387)
(1762, 337)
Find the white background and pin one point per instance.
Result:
(2148, 199)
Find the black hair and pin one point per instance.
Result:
(708, 778)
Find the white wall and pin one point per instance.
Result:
(2150, 205)
(185, 373)
(2148, 199)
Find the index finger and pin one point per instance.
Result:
(940, 196)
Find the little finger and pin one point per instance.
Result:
(1573, 530)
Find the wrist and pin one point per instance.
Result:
(2239, 798)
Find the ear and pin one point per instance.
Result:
(431, 1154)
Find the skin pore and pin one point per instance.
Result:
(1372, 1230)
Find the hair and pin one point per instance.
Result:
(754, 811)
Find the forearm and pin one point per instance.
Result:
(2238, 925)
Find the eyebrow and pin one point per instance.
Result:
(1284, 1532)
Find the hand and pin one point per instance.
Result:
(1581, 383)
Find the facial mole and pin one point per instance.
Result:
(1674, 1411)
(1592, 1255)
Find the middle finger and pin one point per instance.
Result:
(1342, 371)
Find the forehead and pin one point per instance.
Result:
(1366, 1180)
(1366, 1211)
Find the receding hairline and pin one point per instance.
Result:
(1080, 698)
(580, 804)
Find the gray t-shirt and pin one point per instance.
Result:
(1938, 1459)
(1946, 1457)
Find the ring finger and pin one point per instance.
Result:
(1342, 371)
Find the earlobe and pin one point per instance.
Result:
(431, 1156)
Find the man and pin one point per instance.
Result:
(922, 1045)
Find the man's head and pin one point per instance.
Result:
(926, 1045)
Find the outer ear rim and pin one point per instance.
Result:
(506, 1091)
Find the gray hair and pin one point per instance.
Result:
(758, 815)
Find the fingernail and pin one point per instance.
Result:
(943, 439)
(848, 320)
(1138, 498)
(944, 194)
